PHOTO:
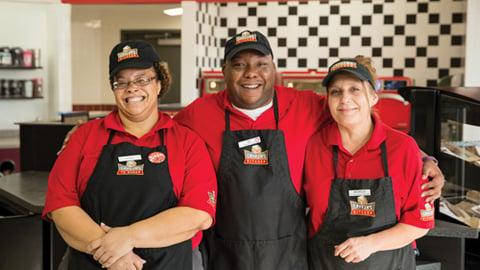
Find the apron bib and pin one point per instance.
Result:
(358, 207)
(260, 218)
(132, 183)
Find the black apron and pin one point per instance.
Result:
(132, 183)
(260, 218)
(358, 207)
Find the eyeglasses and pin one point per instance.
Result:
(138, 82)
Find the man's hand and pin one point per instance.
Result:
(69, 134)
(433, 188)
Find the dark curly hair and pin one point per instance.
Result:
(163, 75)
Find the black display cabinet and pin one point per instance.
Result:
(39, 143)
(445, 122)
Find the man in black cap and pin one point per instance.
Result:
(256, 133)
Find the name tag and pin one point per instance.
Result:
(129, 158)
(249, 142)
(359, 192)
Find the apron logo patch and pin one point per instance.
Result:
(256, 156)
(156, 157)
(362, 207)
(427, 213)
(130, 168)
(211, 199)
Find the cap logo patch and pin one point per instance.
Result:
(127, 53)
(246, 37)
(345, 64)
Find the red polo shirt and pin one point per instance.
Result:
(188, 161)
(404, 165)
(300, 114)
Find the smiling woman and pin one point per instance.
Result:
(362, 181)
(115, 187)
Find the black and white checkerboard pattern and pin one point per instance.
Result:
(420, 39)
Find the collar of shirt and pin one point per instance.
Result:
(285, 97)
(332, 135)
(112, 121)
(254, 113)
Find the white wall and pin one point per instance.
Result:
(188, 92)
(95, 30)
(472, 55)
(37, 25)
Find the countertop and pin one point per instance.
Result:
(25, 189)
(449, 229)
(9, 143)
(9, 139)
(28, 190)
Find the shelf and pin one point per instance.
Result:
(18, 67)
(15, 98)
(469, 151)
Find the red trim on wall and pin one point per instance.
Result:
(120, 1)
(159, 1)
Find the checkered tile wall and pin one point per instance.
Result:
(420, 39)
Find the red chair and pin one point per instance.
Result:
(394, 110)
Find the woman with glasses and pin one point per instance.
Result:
(130, 191)
(362, 181)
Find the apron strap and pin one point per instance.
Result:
(112, 133)
(227, 119)
(275, 108)
(383, 147)
(161, 134)
(335, 158)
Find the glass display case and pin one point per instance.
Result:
(445, 122)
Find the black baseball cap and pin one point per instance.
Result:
(351, 66)
(247, 40)
(132, 54)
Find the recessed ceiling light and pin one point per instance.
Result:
(173, 11)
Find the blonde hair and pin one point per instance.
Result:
(367, 62)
